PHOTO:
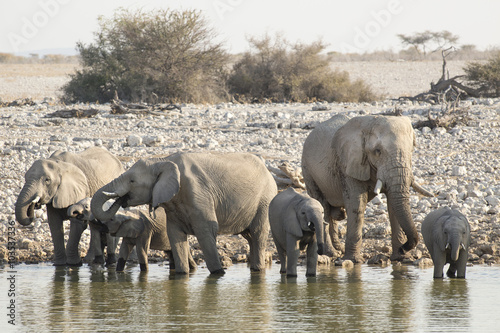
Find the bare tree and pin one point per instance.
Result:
(428, 41)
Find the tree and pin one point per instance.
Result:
(279, 71)
(428, 41)
(485, 77)
(157, 56)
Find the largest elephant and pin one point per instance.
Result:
(203, 194)
(347, 162)
(58, 182)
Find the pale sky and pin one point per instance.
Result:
(345, 26)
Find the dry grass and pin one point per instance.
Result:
(28, 70)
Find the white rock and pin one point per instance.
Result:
(458, 171)
(134, 140)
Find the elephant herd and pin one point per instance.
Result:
(345, 163)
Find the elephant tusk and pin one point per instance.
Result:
(325, 223)
(36, 200)
(378, 187)
(419, 189)
(462, 245)
(448, 246)
(110, 194)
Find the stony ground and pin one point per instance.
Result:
(459, 164)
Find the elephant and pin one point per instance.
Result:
(58, 182)
(98, 239)
(203, 194)
(296, 223)
(137, 228)
(446, 234)
(347, 162)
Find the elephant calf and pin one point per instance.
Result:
(296, 223)
(144, 232)
(137, 228)
(98, 239)
(446, 234)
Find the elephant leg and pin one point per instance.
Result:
(56, 226)
(75, 233)
(355, 208)
(180, 247)
(96, 246)
(462, 264)
(259, 233)
(111, 242)
(333, 215)
(292, 255)
(282, 257)
(398, 237)
(206, 233)
(123, 255)
(439, 260)
(142, 248)
(312, 258)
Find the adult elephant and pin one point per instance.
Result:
(203, 194)
(347, 162)
(58, 182)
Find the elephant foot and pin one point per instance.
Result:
(78, 264)
(120, 265)
(144, 267)
(99, 260)
(59, 264)
(111, 259)
(291, 275)
(218, 272)
(450, 273)
(310, 274)
(356, 259)
(282, 271)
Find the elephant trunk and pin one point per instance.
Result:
(25, 206)
(398, 197)
(103, 195)
(320, 234)
(454, 245)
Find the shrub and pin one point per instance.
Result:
(485, 77)
(157, 56)
(279, 71)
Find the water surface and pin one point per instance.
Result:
(362, 299)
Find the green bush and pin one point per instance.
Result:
(485, 77)
(278, 71)
(157, 56)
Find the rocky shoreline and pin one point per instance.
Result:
(460, 164)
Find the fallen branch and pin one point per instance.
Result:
(120, 107)
(286, 175)
(73, 113)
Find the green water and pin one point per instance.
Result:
(362, 299)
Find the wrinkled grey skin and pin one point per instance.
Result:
(446, 234)
(203, 194)
(58, 182)
(81, 211)
(296, 223)
(342, 161)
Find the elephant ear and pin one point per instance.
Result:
(349, 143)
(72, 188)
(292, 224)
(167, 184)
(439, 237)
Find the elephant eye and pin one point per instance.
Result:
(47, 180)
(377, 152)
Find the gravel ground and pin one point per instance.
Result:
(460, 165)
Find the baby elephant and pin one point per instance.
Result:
(139, 229)
(296, 223)
(98, 239)
(446, 234)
